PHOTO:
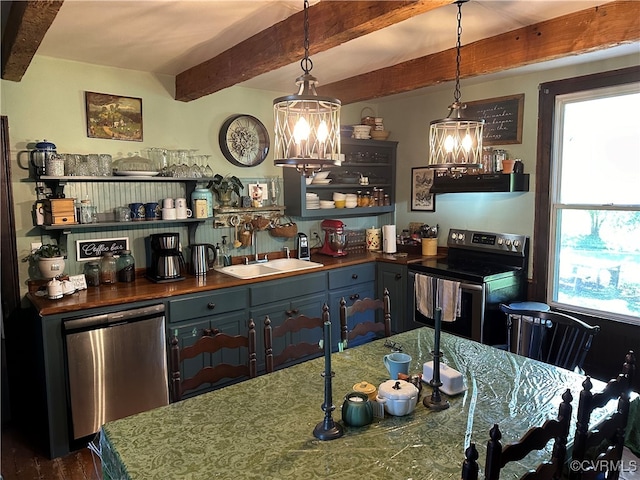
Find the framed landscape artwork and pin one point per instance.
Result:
(421, 197)
(113, 117)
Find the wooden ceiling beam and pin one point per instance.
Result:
(585, 31)
(331, 23)
(27, 23)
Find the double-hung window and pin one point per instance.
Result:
(593, 261)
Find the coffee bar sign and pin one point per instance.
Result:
(93, 249)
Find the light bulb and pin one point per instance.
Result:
(449, 143)
(301, 130)
(467, 142)
(323, 131)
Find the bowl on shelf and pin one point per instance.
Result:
(380, 134)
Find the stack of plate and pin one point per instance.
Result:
(351, 200)
(313, 202)
(321, 178)
(324, 204)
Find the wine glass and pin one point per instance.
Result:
(208, 171)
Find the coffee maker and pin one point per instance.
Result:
(166, 263)
(335, 238)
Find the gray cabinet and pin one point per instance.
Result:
(374, 159)
(393, 277)
(195, 315)
(352, 283)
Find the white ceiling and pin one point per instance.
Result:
(170, 36)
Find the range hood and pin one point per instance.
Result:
(490, 182)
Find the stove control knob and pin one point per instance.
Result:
(507, 242)
(500, 240)
(516, 243)
(454, 235)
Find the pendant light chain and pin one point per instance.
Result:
(306, 63)
(456, 92)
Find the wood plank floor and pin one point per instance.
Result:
(21, 462)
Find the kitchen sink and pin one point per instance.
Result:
(272, 267)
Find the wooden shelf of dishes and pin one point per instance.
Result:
(374, 160)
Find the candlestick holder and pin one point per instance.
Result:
(327, 429)
(435, 402)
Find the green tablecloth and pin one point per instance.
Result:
(263, 428)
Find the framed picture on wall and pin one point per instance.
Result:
(113, 117)
(421, 197)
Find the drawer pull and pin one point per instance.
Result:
(355, 296)
(398, 276)
(211, 305)
(354, 276)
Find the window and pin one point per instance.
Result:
(593, 210)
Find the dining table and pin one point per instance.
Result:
(263, 428)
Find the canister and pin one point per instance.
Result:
(373, 238)
(498, 156)
(202, 193)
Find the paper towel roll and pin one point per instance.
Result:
(389, 238)
(373, 238)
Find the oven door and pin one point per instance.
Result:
(470, 324)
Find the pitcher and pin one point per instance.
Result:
(201, 260)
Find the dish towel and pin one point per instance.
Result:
(424, 295)
(449, 299)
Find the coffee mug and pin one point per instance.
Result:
(183, 212)
(169, 214)
(396, 363)
(181, 203)
(168, 203)
(152, 211)
(137, 211)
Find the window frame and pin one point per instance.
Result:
(544, 168)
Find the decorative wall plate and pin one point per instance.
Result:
(244, 140)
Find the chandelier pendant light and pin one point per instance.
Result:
(307, 126)
(455, 142)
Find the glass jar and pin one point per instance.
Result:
(202, 193)
(108, 268)
(92, 273)
(126, 267)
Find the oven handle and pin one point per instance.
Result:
(471, 286)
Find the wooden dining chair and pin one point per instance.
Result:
(291, 327)
(535, 438)
(370, 327)
(549, 336)
(599, 450)
(210, 343)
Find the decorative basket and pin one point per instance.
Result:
(260, 223)
(284, 230)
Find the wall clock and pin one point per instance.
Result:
(244, 140)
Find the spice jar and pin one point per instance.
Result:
(108, 268)
(126, 267)
(92, 273)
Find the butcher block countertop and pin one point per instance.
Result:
(143, 289)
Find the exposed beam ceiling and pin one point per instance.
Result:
(577, 33)
(334, 23)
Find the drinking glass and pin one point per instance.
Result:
(273, 186)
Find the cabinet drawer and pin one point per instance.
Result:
(343, 277)
(210, 303)
(288, 289)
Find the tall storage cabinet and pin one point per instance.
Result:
(374, 159)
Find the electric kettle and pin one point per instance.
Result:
(201, 260)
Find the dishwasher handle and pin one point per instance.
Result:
(121, 316)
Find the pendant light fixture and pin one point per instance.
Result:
(307, 126)
(455, 142)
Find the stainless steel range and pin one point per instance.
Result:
(491, 269)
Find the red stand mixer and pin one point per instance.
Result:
(335, 238)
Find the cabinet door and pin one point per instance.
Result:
(393, 277)
(350, 294)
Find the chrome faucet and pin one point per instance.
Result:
(286, 252)
(256, 254)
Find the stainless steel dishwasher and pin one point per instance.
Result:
(116, 365)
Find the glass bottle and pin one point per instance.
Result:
(226, 257)
(92, 273)
(126, 267)
(108, 268)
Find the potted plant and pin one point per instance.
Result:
(49, 258)
(225, 186)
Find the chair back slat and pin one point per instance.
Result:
(209, 344)
(379, 329)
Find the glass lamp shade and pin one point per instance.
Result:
(307, 128)
(455, 143)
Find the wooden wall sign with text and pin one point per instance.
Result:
(502, 118)
(93, 249)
